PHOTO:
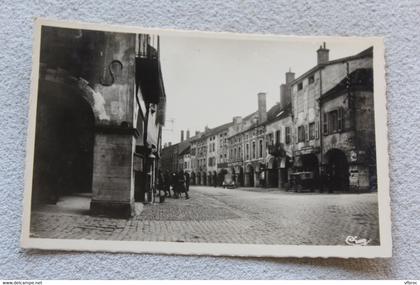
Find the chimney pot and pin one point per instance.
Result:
(323, 54)
(182, 135)
(188, 134)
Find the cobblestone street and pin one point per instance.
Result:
(218, 215)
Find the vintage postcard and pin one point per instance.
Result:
(185, 142)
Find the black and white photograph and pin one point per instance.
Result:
(176, 142)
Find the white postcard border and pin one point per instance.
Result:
(219, 249)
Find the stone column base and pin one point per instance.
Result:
(110, 209)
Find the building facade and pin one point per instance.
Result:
(323, 125)
(318, 152)
(99, 118)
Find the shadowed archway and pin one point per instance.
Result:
(63, 154)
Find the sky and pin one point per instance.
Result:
(210, 80)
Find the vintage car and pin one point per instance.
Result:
(228, 182)
(302, 181)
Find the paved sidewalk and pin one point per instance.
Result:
(224, 215)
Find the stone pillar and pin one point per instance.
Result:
(246, 179)
(280, 178)
(256, 179)
(113, 175)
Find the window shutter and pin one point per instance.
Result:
(325, 124)
(340, 119)
(306, 132)
(317, 130)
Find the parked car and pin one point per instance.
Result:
(228, 182)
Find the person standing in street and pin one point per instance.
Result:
(181, 185)
(167, 183)
(175, 184)
(187, 181)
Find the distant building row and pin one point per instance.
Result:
(323, 128)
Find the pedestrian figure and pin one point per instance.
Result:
(160, 183)
(167, 183)
(187, 181)
(181, 185)
(175, 185)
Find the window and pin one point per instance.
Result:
(253, 150)
(333, 121)
(247, 151)
(301, 134)
(311, 79)
(261, 148)
(239, 152)
(234, 153)
(325, 124)
(340, 119)
(278, 137)
(311, 131)
(300, 86)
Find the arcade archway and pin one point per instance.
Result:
(338, 170)
(249, 176)
(273, 172)
(63, 155)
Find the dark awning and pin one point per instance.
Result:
(149, 79)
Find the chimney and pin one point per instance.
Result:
(290, 76)
(237, 120)
(165, 145)
(206, 129)
(182, 135)
(283, 96)
(197, 133)
(169, 143)
(323, 54)
(285, 89)
(262, 107)
(188, 134)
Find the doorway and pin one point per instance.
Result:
(338, 170)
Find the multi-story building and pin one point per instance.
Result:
(279, 133)
(348, 127)
(217, 149)
(101, 106)
(324, 124)
(185, 160)
(201, 147)
(310, 147)
(247, 149)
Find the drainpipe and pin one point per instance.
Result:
(320, 129)
(146, 155)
